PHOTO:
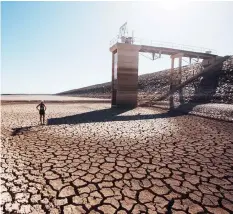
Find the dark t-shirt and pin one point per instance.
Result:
(42, 106)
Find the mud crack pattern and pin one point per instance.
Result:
(91, 159)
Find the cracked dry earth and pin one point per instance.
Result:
(91, 159)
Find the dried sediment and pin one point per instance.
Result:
(132, 161)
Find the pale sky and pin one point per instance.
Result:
(49, 47)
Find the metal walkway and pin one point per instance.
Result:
(167, 48)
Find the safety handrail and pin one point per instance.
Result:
(139, 41)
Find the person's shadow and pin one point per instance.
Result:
(106, 115)
(17, 131)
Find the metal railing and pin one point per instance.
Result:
(139, 41)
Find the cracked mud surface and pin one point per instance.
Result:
(90, 159)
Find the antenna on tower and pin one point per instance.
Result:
(123, 31)
(123, 34)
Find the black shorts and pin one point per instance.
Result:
(42, 112)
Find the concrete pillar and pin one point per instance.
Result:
(181, 97)
(171, 101)
(173, 81)
(125, 84)
(114, 80)
(180, 69)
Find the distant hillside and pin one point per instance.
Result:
(90, 91)
(26, 94)
(146, 82)
(215, 88)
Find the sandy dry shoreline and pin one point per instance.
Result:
(23, 99)
(44, 97)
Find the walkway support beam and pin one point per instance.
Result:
(176, 79)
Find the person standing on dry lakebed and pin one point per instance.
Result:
(41, 108)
